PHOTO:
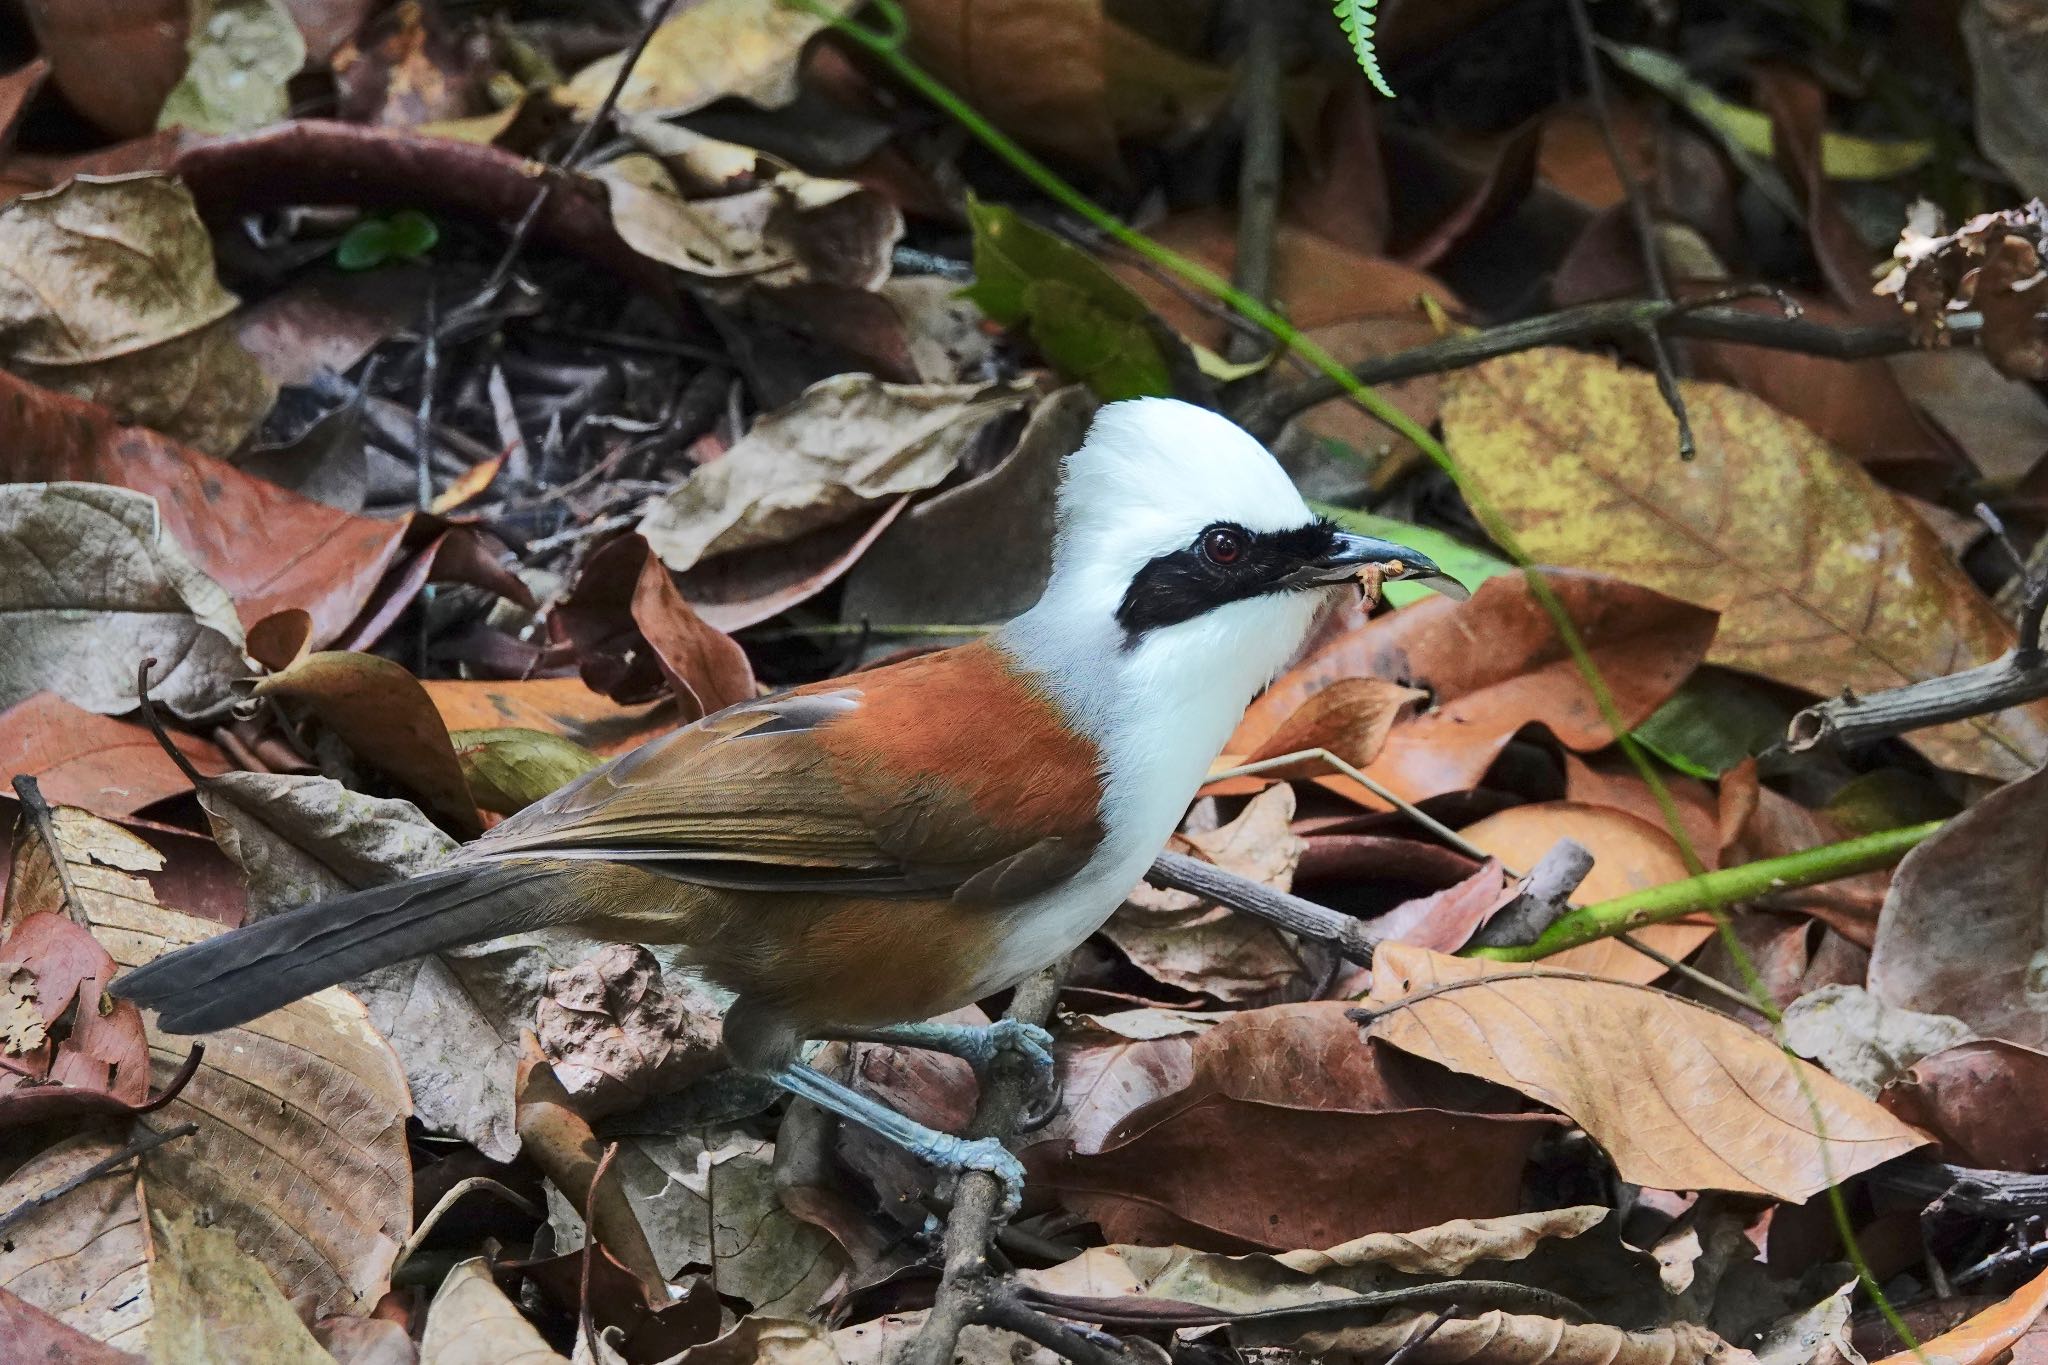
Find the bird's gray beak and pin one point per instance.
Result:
(1350, 553)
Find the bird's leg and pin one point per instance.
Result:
(979, 1045)
(944, 1150)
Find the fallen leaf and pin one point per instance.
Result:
(2005, 60)
(849, 443)
(636, 637)
(753, 1339)
(508, 770)
(1050, 87)
(115, 60)
(1680, 1097)
(1385, 454)
(124, 308)
(1243, 1156)
(1193, 943)
(1965, 926)
(84, 1258)
(1978, 1099)
(1629, 854)
(888, 1340)
(318, 1189)
(1859, 1039)
(1758, 822)
(1522, 1337)
(1797, 107)
(90, 585)
(408, 68)
(1611, 780)
(715, 1203)
(733, 591)
(1985, 1337)
(328, 319)
(1105, 1076)
(210, 1300)
(1445, 921)
(387, 720)
(744, 48)
(617, 1032)
(238, 56)
(72, 1049)
(1643, 643)
(1087, 323)
(270, 548)
(1352, 718)
(1822, 579)
(107, 766)
(471, 1322)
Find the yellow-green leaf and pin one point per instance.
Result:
(1823, 579)
(510, 769)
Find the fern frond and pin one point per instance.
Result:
(1357, 17)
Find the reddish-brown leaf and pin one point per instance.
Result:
(106, 765)
(1758, 823)
(557, 706)
(1295, 1134)
(1982, 1100)
(1985, 1337)
(1493, 665)
(1444, 921)
(92, 1057)
(33, 1337)
(269, 547)
(637, 639)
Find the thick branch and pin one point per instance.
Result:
(1302, 917)
(1546, 897)
(1988, 1194)
(1616, 320)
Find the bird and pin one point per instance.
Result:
(856, 856)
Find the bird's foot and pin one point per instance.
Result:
(980, 1045)
(960, 1155)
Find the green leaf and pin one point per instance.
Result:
(1085, 321)
(366, 245)
(511, 768)
(1356, 18)
(1713, 722)
(413, 234)
(1747, 131)
(1469, 566)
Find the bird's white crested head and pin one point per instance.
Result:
(1186, 572)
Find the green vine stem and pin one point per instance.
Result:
(1712, 890)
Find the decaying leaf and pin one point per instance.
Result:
(471, 1322)
(69, 1048)
(560, 706)
(1859, 1039)
(90, 585)
(82, 758)
(210, 1300)
(115, 60)
(1106, 1075)
(1823, 580)
(636, 637)
(122, 307)
(1964, 929)
(300, 1150)
(617, 1031)
(1979, 1099)
(1681, 1097)
(850, 442)
(238, 56)
(1520, 1336)
(508, 770)
(1988, 1335)
(744, 48)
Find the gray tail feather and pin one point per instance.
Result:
(264, 966)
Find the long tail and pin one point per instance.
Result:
(263, 966)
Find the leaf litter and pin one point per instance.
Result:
(423, 514)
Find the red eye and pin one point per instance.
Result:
(1222, 545)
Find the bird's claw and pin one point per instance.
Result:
(1034, 1045)
(961, 1155)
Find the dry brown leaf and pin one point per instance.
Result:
(210, 1300)
(123, 308)
(1823, 580)
(1629, 855)
(69, 1048)
(848, 444)
(471, 1322)
(637, 638)
(115, 60)
(319, 1189)
(1524, 1338)
(1965, 926)
(1681, 1097)
(1444, 921)
(1352, 718)
(90, 585)
(889, 1339)
(1294, 1133)
(1106, 1076)
(744, 48)
(37, 1335)
(1859, 1039)
(558, 706)
(617, 1032)
(387, 720)
(1985, 1337)
(1643, 643)
(83, 1258)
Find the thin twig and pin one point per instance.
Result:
(585, 1324)
(1612, 320)
(1303, 918)
(1416, 1342)
(147, 1142)
(45, 821)
(978, 1194)
(1377, 788)
(1690, 973)
(1258, 177)
(156, 726)
(1002, 1308)
(1639, 218)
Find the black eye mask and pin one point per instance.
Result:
(1187, 582)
